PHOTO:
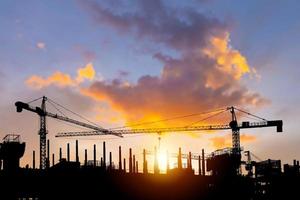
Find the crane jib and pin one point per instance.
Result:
(277, 123)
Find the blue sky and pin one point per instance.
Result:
(42, 37)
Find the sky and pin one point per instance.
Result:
(119, 63)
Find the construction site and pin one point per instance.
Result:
(222, 173)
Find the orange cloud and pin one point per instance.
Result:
(220, 142)
(61, 79)
(228, 60)
(87, 72)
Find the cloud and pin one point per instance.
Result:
(41, 45)
(180, 29)
(220, 142)
(61, 79)
(206, 74)
(87, 72)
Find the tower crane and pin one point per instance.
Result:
(43, 113)
(233, 125)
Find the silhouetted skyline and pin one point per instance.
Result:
(119, 63)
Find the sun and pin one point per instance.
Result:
(162, 159)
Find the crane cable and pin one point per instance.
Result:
(75, 113)
(57, 109)
(250, 114)
(74, 126)
(203, 119)
(257, 158)
(34, 100)
(169, 119)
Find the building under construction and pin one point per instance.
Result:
(217, 176)
(220, 174)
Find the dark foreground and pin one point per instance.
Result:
(95, 183)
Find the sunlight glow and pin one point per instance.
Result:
(162, 160)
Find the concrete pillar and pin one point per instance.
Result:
(120, 158)
(133, 161)
(68, 152)
(203, 163)
(76, 151)
(60, 154)
(94, 155)
(179, 161)
(110, 161)
(145, 166)
(130, 160)
(33, 159)
(199, 164)
(85, 157)
(104, 155)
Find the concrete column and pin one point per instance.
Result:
(133, 161)
(120, 158)
(130, 160)
(76, 151)
(104, 155)
(68, 152)
(85, 157)
(145, 167)
(199, 164)
(110, 161)
(179, 161)
(203, 163)
(94, 155)
(60, 154)
(190, 160)
(33, 159)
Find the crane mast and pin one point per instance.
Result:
(236, 146)
(43, 134)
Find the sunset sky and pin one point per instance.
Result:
(125, 62)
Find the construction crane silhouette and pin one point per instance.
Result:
(43, 113)
(233, 125)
